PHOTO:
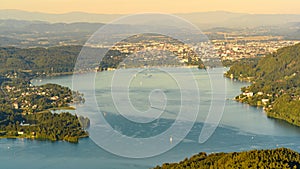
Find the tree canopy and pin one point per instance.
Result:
(278, 158)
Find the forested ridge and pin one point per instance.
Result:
(275, 83)
(56, 60)
(41, 60)
(278, 158)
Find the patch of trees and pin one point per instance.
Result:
(45, 126)
(42, 60)
(239, 70)
(277, 158)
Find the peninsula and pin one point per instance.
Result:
(274, 85)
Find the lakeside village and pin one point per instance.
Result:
(26, 112)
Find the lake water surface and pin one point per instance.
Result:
(241, 128)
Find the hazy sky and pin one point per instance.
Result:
(165, 6)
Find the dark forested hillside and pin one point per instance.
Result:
(279, 158)
(53, 60)
(276, 83)
(48, 60)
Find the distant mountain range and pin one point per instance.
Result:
(17, 26)
(55, 18)
(31, 29)
(201, 19)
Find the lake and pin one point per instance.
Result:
(241, 127)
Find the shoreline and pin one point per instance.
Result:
(40, 139)
(268, 114)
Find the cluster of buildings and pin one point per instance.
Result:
(158, 50)
(233, 49)
(249, 49)
(263, 99)
(27, 98)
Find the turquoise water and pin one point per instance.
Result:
(241, 128)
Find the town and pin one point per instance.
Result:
(158, 47)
